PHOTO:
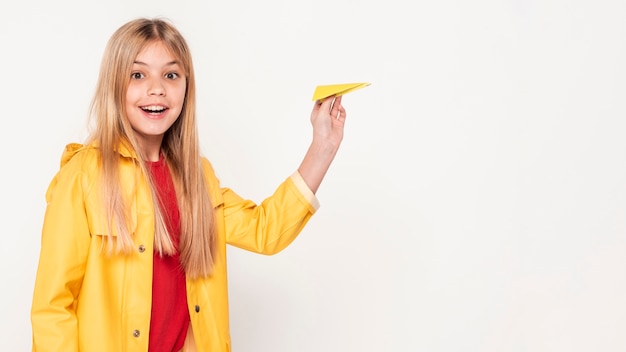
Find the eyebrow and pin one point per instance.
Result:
(171, 63)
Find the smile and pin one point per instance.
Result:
(153, 109)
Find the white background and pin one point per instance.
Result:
(478, 202)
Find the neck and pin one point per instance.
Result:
(150, 148)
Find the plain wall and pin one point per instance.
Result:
(477, 203)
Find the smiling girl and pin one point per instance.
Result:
(133, 250)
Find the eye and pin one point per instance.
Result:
(136, 75)
(171, 75)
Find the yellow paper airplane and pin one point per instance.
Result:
(322, 92)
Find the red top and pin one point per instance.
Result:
(170, 317)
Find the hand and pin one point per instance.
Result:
(328, 118)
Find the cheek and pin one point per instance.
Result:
(132, 94)
(180, 95)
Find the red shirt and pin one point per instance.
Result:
(170, 317)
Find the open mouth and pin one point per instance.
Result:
(154, 109)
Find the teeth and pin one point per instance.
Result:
(153, 108)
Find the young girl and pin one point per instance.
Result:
(133, 251)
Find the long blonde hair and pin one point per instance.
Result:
(180, 148)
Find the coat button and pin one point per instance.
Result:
(136, 333)
(197, 308)
(142, 248)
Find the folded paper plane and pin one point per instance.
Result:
(322, 92)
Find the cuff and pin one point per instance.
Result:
(305, 190)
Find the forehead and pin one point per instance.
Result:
(156, 52)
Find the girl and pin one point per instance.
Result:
(133, 251)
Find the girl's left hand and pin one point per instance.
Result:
(328, 118)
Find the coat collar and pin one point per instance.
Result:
(126, 151)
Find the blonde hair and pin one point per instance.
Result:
(180, 148)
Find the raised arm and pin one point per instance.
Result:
(328, 118)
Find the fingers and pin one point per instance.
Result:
(332, 105)
(337, 109)
(328, 103)
(325, 104)
(339, 114)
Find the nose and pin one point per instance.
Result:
(156, 88)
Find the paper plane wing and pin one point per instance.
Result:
(325, 91)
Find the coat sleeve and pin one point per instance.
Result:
(273, 224)
(64, 248)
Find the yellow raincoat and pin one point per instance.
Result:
(87, 301)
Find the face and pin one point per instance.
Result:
(155, 95)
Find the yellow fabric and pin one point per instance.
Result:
(87, 301)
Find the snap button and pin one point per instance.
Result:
(197, 308)
(136, 333)
(142, 248)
